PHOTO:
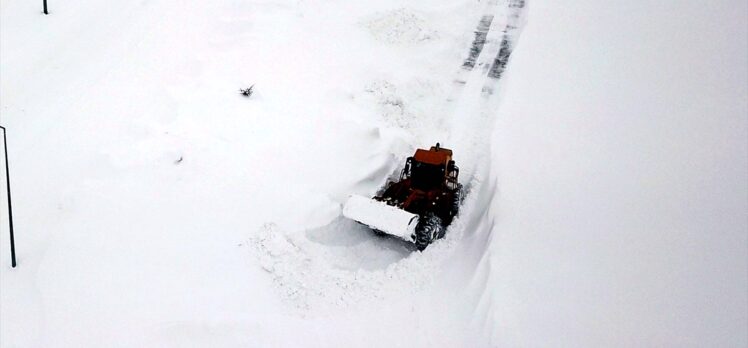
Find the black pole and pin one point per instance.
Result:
(10, 210)
(45, 7)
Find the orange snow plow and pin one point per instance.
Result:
(420, 205)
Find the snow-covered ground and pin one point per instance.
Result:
(621, 153)
(155, 206)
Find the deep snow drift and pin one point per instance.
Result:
(156, 206)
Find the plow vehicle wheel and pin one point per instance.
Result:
(456, 200)
(429, 228)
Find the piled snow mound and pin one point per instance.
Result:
(325, 270)
(391, 104)
(408, 105)
(400, 27)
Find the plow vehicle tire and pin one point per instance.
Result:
(429, 228)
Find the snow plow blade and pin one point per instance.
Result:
(380, 216)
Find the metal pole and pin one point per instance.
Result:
(45, 7)
(10, 210)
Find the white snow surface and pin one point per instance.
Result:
(154, 206)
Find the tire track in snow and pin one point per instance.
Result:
(473, 112)
(494, 37)
(481, 33)
(515, 20)
(485, 38)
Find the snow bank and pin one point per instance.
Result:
(620, 157)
